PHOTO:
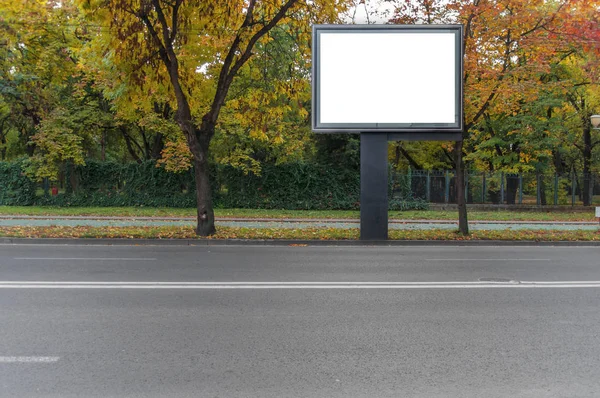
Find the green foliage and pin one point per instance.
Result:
(132, 184)
(402, 197)
(15, 187)
(290, 186)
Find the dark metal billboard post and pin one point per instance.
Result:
(373, 186)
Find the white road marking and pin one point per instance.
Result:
(29, 359)
(296, 285)
(487, 259)
(87, 258)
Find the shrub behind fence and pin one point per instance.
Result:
(509, 189)
(288, 186)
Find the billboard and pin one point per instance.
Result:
(387, 78)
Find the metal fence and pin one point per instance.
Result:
(499, 188)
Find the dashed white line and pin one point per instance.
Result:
(487, 259)
(87, 258)
(29, 359)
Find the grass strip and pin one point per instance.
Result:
(174, 232)
(500, 215)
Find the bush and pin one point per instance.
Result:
(291, 186)
(15, 188)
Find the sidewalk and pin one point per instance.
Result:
(292, 223)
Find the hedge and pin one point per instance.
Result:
(15, 188)
(287, 186)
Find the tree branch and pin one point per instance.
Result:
(165, 26)
(229, 71)
(223, 75)
(174, 24)
(410, 159)
(162, 51)
(450, 157)
(130, 148)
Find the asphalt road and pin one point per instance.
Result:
(152, 321)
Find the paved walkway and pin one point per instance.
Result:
(292, 223)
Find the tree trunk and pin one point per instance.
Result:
(512, 187)
(3, 139)
(587, 160)
(103, 146)
(199, 142)
(157, 147)
(543, 198)
(206, 215)
(463, 224)
(129, 143)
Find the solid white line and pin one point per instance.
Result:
(87, 258)
(476, 283)
(250, 283)
(29, 359)
(259, 287)
(297, 285)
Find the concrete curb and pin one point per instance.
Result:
(282, 242)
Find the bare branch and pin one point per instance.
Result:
(228, 72)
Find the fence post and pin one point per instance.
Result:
(555, 189)
(502, 188)
(520, 188)
(467, 186)
(428, 191)
(447, 191)
(572, 188)
(591, 189)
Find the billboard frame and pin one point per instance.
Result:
(399, 131)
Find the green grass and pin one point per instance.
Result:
(501, 215)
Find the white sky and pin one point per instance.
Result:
(359, 15)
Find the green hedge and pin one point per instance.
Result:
(15, 188)
(108, 184)
(288, 186)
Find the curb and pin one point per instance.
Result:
(282, 242)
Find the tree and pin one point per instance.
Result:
(41, 87)
(582, 103)
(266, 119)
(192, 52)
(35, 61)
(508, 45)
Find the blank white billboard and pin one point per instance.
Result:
(387, 78)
